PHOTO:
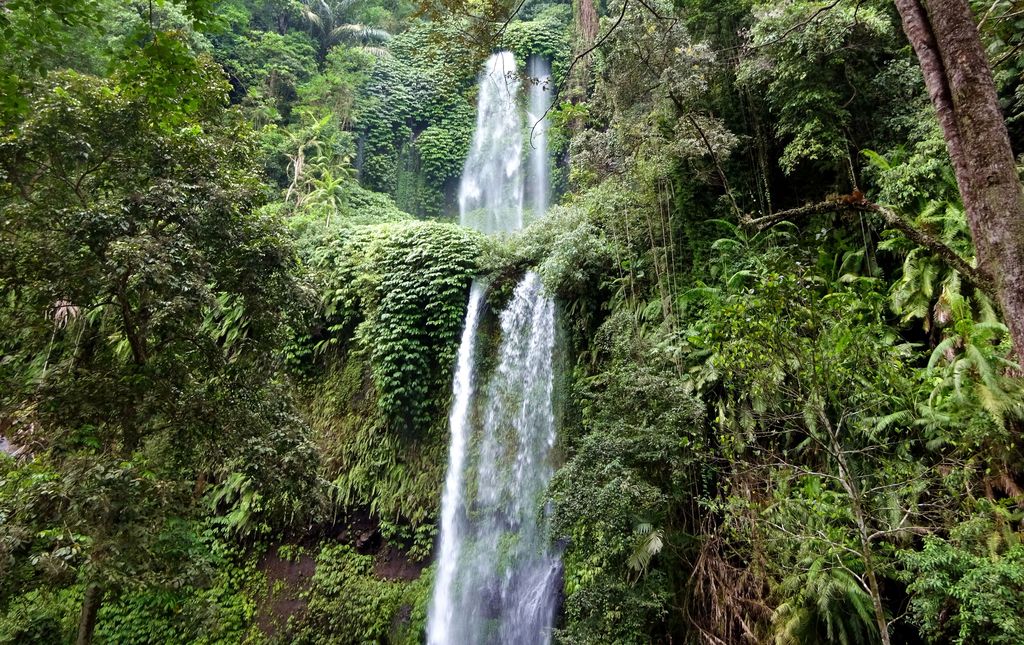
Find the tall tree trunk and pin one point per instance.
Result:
(90, 609)
(587, 24)
(960, 85)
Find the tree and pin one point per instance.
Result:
(586, 23)
(968, 587)
(960, 85)
(326, 20)
(806, 428)
(31, 34)
(40, 35)
(817, 72)
(145, 296)
(329, 189)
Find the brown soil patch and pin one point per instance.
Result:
(286, 580)
(393, 564)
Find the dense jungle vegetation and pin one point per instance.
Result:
(788, 280)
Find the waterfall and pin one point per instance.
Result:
(539, 71)
(458, 420)
(491, 190)
(497, 578)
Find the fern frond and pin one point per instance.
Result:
(726, 243)
(649, 545)
(940, 351)
(733, 228)
(896, 418)
(360, 33)
(738, 278)
(877, 160)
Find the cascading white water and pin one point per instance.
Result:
(497, 578)
(501, 584)
(442, 609)
(491, 190)
(541, 92)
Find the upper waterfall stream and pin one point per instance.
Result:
(497, 577)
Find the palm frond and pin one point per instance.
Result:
(360, 33)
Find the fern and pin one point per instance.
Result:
(649, 543)
(826, 605)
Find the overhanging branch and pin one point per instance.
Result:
(974, 275)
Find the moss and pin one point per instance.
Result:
(395, 298)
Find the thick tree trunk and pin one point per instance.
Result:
(586, 21)
(90, 609)
(961, 88)
(587, 24)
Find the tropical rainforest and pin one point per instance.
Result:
(786, 246)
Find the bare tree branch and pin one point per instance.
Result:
(974, 275)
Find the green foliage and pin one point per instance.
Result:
(969, 366)
(32, 34)
(974, 356)
(408, 297)
(406, 112)
(149, 298)
(789, 345)
(318, 172)
(349, 604)
(825, 605)
(571, 252)
(216, 609)
(650, 115)
(207, 605)
(969, 587)
(766, 433)
(424, 274)
(268, 69)
(394, 296)
(336, 89)
(928, 288)
(269, 483)
(413, 117)
(1001, 27)
(369, 465)
(916, 177)
(40, 616)
(633, 459)
(327, 22)
(808, 64)
(545, 34)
